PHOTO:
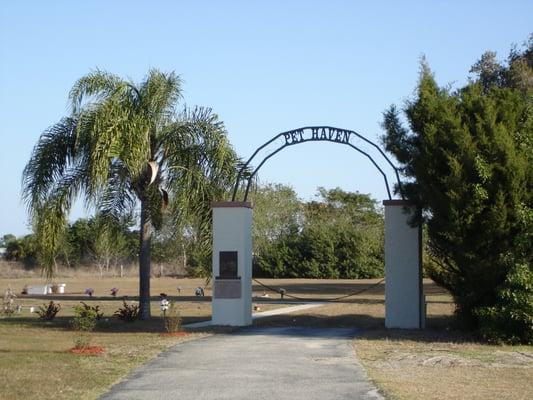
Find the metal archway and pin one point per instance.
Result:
(316, 134)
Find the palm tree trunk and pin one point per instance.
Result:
(144, 263)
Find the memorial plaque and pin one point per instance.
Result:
(228, 265)
(228, 288)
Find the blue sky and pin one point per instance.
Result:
(264, 67)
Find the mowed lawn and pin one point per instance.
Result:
(35, 364)
(34, 361)
(34, 358)
(437, 363)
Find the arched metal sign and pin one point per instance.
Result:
(317, 134)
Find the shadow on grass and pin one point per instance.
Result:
(87, 299)
(337, 289)
(105, 325)
(440, 328)
(452, 334)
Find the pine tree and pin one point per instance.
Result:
(467, 155)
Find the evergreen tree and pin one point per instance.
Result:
(467, 155)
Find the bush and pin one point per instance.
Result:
(85, 308)
(172, 318)
(84, 322)
(9, 305)
(128, 312)
(510, 320)
(49, 312)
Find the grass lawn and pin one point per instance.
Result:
(34, 361)
(444, 365)
(35, 364)
(437, 363)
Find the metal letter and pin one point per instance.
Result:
(346, 138)
(293, 137)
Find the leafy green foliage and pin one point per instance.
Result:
(19, 249)
(338, 236)
(84, 318)
(468, 155)
(48, 312)
(125, 145)
(83, 323)
(511, 318)
(91, 311)
(128, 312)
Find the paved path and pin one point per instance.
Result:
(263, 314)
(254, 364)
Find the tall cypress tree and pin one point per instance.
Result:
(467, 155)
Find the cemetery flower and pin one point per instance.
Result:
(89, 291)
(114, 291)
(164, 305)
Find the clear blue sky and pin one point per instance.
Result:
(263, 66)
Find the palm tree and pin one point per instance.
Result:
(126, 147)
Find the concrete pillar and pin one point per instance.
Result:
(403, 268)
(232, 264)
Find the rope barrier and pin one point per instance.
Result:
(325, 300)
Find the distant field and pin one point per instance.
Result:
(439, 362)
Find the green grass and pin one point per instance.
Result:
(34, 362)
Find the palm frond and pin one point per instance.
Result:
(160, 92)
(117, 199)
(97, 84)
(54, 153)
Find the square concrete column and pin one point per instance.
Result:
(403, 268)
(232, 264)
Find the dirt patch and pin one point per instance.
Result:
(88, 350)
(174, 334)
(499, 359)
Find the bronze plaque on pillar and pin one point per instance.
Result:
(228, 262)
(227, 288)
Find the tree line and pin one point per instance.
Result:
(338, 235)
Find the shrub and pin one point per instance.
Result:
(510, 320)
(128, 312)
(84, 322)
(172, 317)
(49, 312)
(96, 309)
(9, 305)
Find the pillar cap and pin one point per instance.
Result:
(397, 202)
(231, 204)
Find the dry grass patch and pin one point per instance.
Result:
(34, 362)
(444, 365)
(128, 286)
